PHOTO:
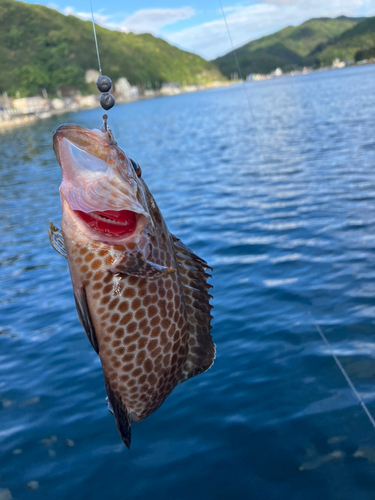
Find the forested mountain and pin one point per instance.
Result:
(356, 43)
(314, 43)
(42, 48)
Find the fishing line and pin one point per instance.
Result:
(343, 371)
(242, 80)
(96, 40)
(104, 83)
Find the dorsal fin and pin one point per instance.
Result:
(120, 412)
(194, 277)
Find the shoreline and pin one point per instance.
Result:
(21, 120)
(305, 71)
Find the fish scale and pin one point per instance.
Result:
(141, 294)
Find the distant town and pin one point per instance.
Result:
(336, 64)
(19, 111)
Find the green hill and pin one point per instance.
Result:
(289, 48)
(356, 43)
(42, 48)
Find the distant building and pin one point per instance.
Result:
(122, 86)
(149, 93)
(125, 90)
(87, 101)
(257, 77)
(31, 104)
(57, 103)
(277, 72)
(190, 88)
(337, 64)
(91, 75)
(170, 88)
(5, 101)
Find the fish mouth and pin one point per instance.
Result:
(116, 224)
(99, 185)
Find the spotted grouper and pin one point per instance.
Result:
(141, 294)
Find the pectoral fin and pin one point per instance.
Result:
(85, 317)
(56, 239)
(134, 264)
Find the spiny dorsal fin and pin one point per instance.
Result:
(194, 277)
(56, 239)
(121, 414)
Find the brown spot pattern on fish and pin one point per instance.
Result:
(141, 343)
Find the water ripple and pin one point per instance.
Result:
(287, 222)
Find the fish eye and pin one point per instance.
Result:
(136, 167)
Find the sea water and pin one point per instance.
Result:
(281, 203)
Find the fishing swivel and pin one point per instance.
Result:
(104, 84)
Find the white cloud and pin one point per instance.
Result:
(152, 20)
(141, 21)
(250, 22)
(86, 16)
(211, 39)
(278, 1)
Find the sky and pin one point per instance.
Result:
(198, 26)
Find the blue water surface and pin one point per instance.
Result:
(283, 208)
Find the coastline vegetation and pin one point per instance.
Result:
(40, 48)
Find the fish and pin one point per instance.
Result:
(141, 294)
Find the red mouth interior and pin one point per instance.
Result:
(110, 222)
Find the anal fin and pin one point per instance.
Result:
(85, 317)
(121, 414)
(56, 239)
